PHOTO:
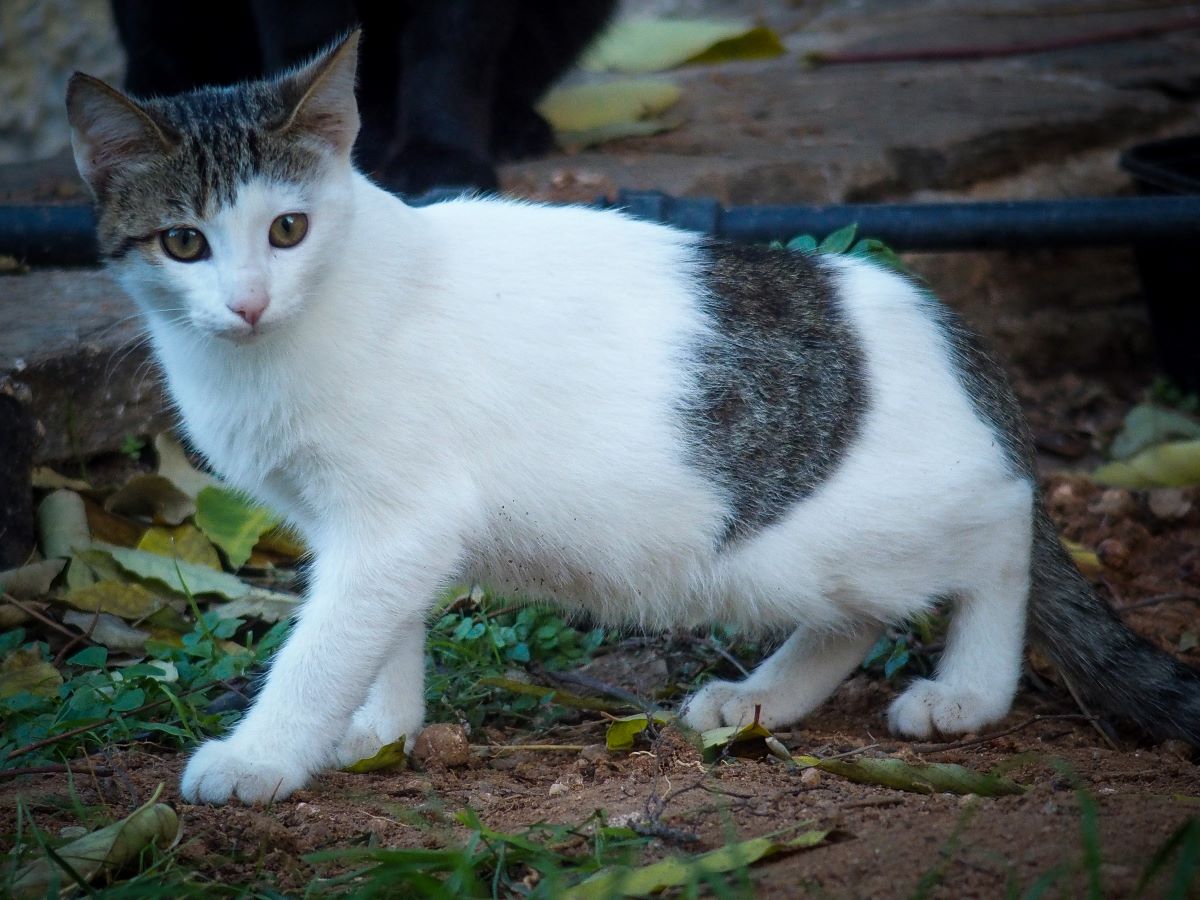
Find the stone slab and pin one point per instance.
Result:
(73, 339)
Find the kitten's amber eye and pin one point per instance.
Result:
(184, 244)
(289, 229)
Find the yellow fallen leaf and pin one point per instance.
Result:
(587, 114)
(639, 46)
(283, 541)
(25, 670)
(1085, 558)
(1174, 464)
(121, 598)
(184, 542)
(46, 479)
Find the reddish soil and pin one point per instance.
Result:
(884, 843)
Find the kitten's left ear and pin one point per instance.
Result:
(324, 104)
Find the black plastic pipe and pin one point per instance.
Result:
(65, 234)
(939, 226)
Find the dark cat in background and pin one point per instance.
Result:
(445, 89)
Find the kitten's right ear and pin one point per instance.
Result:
(109, 131)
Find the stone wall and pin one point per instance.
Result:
(41, 43)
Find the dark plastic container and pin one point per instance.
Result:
(1170, 270)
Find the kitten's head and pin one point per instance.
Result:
(219, 209)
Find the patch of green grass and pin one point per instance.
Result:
(911, 648)
(466, 645)
(163, 697)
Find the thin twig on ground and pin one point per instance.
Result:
(51, 769)
(1160, 598)
(988, 738)
(578, 679)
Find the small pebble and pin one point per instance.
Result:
(594, 753)
(1169, 504)
(1113, 553)
(442, 745)
(810, 777)
(1179, 749)
(1114, 502)
(1061, 494)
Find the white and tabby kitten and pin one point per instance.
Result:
(581, 407)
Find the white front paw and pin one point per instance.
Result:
(220, 770)
(928, 705)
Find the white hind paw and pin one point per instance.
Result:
(928, 706)
(369, 731)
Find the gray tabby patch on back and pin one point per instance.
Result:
(782, 393)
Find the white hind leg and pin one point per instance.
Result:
(791, 683)
(978, 673)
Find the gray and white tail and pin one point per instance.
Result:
(1111, 668)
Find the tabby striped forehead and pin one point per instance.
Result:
(221, 139)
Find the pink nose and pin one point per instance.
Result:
(251, 307)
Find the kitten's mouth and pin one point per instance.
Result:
(244, 334)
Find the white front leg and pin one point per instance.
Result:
(360, 606)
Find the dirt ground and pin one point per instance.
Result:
(884, 843)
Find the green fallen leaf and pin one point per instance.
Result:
(103, 851)
(173, 465)
(554, 695)
(1147, 425)
(639, 46)
(24, 670)
(184, 542)
(175, 575)
(390, 756)
(232, 522)
(622, 731)
(754, 739)
(1176, 464)
(624, 881)
(587, 114)
(120, 598)
(62, 524)
(31, 581)
(715, 738)
(151, 497)
(919, 778)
